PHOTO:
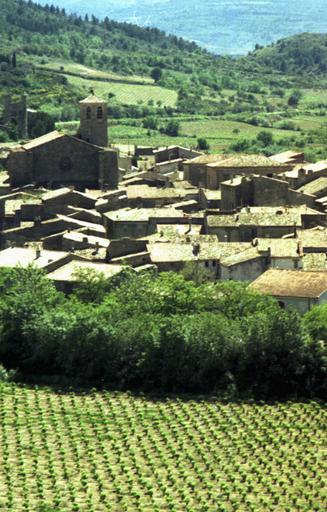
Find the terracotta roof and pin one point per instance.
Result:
(292, 283)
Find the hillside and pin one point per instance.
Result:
(148, 77)
(47, 38)
(232, 27)
(304, 53)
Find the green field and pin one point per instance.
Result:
(115, 452)
(129, 94)
(87, 72)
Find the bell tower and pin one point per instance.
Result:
(94, 120)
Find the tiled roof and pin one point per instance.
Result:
(246, 161)
(315, 186)
(183, 252)
(44, 139)
(206, 159)
(292, 283)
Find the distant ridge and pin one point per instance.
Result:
(224, 27)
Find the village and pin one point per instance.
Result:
(78, 202)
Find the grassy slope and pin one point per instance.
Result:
(112, 451)
(54, 89)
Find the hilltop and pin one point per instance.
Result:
(303, 53)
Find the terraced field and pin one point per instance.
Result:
(116, 452)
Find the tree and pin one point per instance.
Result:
(294, 98)
(156, 74)
(265, 138)
(172, 128)
(14, 60)
(151, 123)
(203, 144)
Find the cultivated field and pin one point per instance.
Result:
(115, 452)
(126, 93)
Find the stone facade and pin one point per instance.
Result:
(56, 160)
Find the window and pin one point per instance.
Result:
(207, 264)
(100, 113)
(88, 113)
(214, 263)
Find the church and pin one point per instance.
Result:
(57, 159)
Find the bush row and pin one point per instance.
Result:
(161, 333)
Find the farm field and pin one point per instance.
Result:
(103, 451)
(127, 93)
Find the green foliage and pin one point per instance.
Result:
(156, 74)
(172, 128)
(203, 144)
(265, 138)
(303, 53)
(294, 98)
(159, 332)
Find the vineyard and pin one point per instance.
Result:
(117, 452)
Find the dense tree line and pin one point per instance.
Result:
(160, 333)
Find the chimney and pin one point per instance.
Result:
(37, 253)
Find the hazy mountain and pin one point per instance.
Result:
(223, 26)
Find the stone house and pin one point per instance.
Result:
(174, 153)
(223, 170)
(317, 187)
(260, 222)
(289, 157)
(247, 265)
(302, 174)
(138, 223)
(261, 191)
(58, 201)
(144, 196)
(195, 169)
(299, 289)
(201, 256)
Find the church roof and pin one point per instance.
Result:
(44, 139)
(93, 99)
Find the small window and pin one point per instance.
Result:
(214, 263)
(88, 113)
(207, 264)
(100, 113)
